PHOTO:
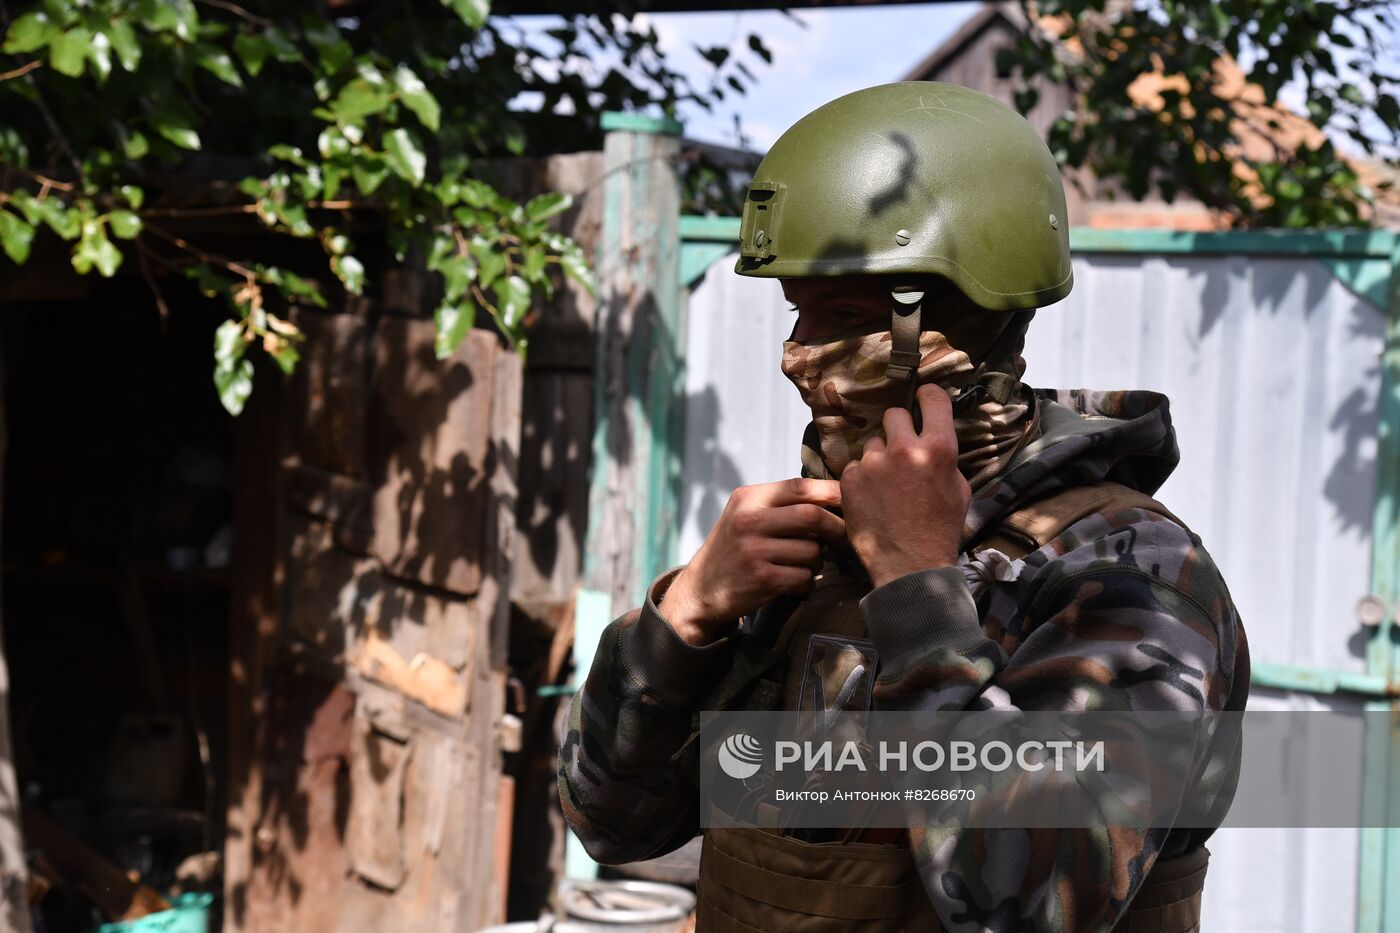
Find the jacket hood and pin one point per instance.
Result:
(1085, 437)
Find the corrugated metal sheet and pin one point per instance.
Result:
(1272, 369)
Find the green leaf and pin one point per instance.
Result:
(283, 48)
(416, 97)
(134, 196)
(135, 146)
(360, 98)
(330, 185)
(490, 263)
(95, 251)
(548, 205)
(533, 265)
(404, 156)
(331, 143)
(287, 153)
(285, 355)
(68, 51)
(63, 220)
(16, 235)
(124, 42)
(576, 267)
(177, 16)
(454, 321)
(368, 175)
(471, 12)
(31, 31)
(29, 205)
(514, 138)
(512, 299)
(233, 374)
(332, 51)
(175, 129)
(478, 193)
(125, 224)
(351, 273)
(458, 273)
(253, 50)
(218, 63)
(100, 54)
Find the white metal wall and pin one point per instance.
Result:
(1272, 368)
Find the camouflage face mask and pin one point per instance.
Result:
(845, 384)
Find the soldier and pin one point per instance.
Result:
(975, 543)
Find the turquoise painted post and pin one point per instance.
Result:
(638, 378)
(638, 386)
(1378, 907)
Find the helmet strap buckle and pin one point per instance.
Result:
(906, 322)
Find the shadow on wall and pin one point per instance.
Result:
(1350, 479)
(390, 553)
(711, 472)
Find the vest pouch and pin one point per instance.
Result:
(756, 880)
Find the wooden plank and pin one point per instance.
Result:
(557, 425)
(424, 679)
(374, 842)
(489, 684)
(299, 861)
(326, 395)
(429, 438)
(342, 500)
(335, 597)
(255, 593)
(118, 896)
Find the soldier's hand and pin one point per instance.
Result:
(764, 544)
(905, 500)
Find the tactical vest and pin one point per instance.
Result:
(761, 880)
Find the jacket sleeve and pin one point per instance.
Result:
(1112, 615)
(627, 770)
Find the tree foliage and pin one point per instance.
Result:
(328, 112)
(1187, 132)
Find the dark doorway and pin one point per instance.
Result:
(116, 548)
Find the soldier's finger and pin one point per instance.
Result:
(937, 410)
(801, 520)
(899, 426)
(789, 579)
(800, 489)
(792, 552)
(873, 446)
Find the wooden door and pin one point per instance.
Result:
(375, 516)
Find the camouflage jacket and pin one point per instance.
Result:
(1121, 611)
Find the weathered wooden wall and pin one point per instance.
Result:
(552, 518)
(377, 521)
(375, 527)
(557, 406)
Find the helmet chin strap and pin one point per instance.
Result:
(906, 323)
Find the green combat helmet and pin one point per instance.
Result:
(916, 178)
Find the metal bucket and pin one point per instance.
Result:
(613, 907)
